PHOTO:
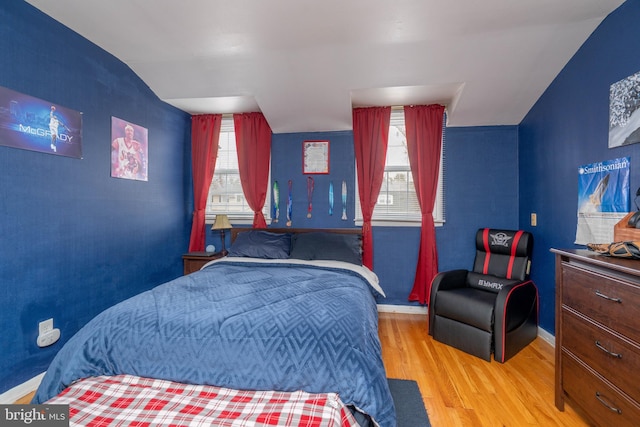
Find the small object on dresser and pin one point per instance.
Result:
(211, 249)
(623, 232)
(617, 249)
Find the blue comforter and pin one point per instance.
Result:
(241, 325)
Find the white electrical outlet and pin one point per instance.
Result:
(45, 326)
(47, 335)
(46, 339)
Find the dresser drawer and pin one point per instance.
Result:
(603, 403)
(612, 302)
(612, 357)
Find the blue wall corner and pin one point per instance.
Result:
(74, 240)
(566, 128)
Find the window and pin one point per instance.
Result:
(398, 201)
(225, 192)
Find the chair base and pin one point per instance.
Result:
(477, 342)
(520, 337)
(463, 337)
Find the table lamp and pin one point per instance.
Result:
(222, 223)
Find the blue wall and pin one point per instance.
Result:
(286, 164)
(567, 128)
(470, 202)
(481, 189)
(73, 240)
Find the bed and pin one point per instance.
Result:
(288, 311)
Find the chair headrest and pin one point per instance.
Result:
(503, 253)
(502, 242)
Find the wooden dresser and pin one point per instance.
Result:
(598, 336)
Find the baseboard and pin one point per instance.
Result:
(547, 336)
(21, 390)
(404, 309)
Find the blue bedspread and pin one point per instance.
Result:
(244, 326)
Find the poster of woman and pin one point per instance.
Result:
(129, 149)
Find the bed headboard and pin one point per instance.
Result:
(235, 231)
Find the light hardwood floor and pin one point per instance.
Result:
(26, 399)
(462, 390)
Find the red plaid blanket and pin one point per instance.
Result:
(126, 400)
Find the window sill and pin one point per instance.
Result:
(236, 220)
(397, 223)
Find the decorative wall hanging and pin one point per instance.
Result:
(129, 150)
(33, 124)
(331, 198)
(310, 185)
(289, 203)
(344, 200)
(624, 111)
(276, 201)
(315, 157)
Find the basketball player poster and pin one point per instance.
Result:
(34, 124)
(129, 150)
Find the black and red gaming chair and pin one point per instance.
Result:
(492, 309)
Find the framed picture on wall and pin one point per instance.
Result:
(34, 124)
(129, 150)
(624, 111)
(315, 157)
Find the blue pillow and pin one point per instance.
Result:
(327, 246)
(261, 244)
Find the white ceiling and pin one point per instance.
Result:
(306, 63)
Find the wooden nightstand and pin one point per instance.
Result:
(193, 261)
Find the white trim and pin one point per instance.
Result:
(236, 220)
(396, 223)
(404, 309)
(547, 336)
(21, 390)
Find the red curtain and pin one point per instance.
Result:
(424, 144)
(253, 141)
(205, 132)
(370, 137)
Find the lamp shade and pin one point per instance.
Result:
(221, 223)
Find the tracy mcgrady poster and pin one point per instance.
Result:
(37, 125)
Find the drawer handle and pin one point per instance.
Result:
(601, 295)
(605, 403)
(609, 352)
